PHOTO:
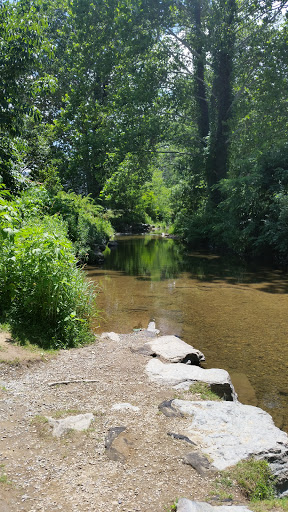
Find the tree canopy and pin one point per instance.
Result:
(170, 111)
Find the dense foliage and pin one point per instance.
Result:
(43, 294)
(170, 111)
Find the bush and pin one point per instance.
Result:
(44, 296)
(87, 226)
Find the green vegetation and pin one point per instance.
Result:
(203, 389)
(44, 296)
(252, 477)
(135, 112)
(274, 504)
(255, 479)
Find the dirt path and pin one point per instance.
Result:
(74, 473)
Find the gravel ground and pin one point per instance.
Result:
(74, 473)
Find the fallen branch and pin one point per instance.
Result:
(85, 381)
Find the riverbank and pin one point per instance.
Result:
(74, 473)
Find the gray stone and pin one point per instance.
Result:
(144, 351)
(125, 406)
(198, 462)
(113, 433)
(168, 410)
(152, 328)
(176, 373)
(229, 432)
(185, 505)
(180, 437)
(175, 350)
(113, 336)
(79, 423)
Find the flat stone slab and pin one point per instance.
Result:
(230, 431)
(79, 423)
(175, 350)
(177, 373)
(185, 505)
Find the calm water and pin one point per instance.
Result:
(236, 315)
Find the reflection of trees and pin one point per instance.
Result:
(148, 258)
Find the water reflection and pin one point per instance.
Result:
(235, 314)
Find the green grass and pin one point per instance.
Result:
(203, 389)
(255, 479)
(273, 505)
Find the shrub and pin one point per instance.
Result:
(46, 298)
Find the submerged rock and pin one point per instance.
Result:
(176, 373)
(185, 505)
(229, 432)
(175, 350)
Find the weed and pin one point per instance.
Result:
(255, 479)
(274, 505)
(3, 476)
(41, 425)
(203, 389)
(222, 487)
(173, 507)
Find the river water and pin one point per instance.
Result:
(235, 314)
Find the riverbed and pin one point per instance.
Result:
(236, 314)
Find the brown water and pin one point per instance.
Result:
(236, 315)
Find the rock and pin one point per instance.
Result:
(152, 328)
(180, 437)
(125, 407)
(144, 351)
(176, 373)
(168, 410)
(113, 336)
(229, 432)
(175, 350)
(185, 505)
(79, 423)
(119, 444)
(198, 462)
(113, 433)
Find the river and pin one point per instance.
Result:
(236, 314)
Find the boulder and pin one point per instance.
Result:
(229, 432)
(176, 373)
(185, 505)
(175, 350)
(79, 423)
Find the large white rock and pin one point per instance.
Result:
(175, 350)
(185, 505)
(176, 373)
(79, 423)
(230, 431)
